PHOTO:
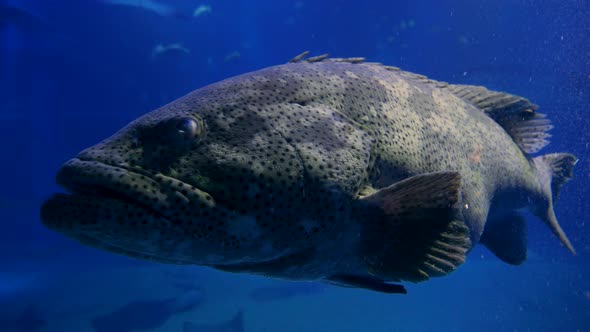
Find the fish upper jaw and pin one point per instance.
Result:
(150, 190)
(96, 179)
(149, 216)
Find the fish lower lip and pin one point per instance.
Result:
(85, 223)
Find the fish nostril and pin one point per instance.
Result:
(302, 103)
(134, 141)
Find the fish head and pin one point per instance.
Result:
(246, 170)
(197, 181)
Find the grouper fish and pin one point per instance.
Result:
(328, 169)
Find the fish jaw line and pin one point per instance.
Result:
(150, 190)
(94, 221)
(97, 181)
(147, 216)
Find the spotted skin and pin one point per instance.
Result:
(269, 180)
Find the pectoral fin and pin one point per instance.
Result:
(413, 229)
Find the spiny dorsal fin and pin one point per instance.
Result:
(318, 58)
(325, 57)
(517, 115)
(299, 57)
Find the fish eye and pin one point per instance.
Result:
(186, 130)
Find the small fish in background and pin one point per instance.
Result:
(463, 40)
(232, 56)
(236, 324)
(30, 320)
(398, 29)
(153, 6)
(33, 30)
(146, 315)
(202, 10)
(407, 24)
(286, 291)
(175, 49)
(21, 19)
(298, 5)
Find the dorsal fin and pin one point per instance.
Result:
(299, 57)
(517, 115)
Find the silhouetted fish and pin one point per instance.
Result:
(171, 50)
(236, 324)
(152, 6)
(145, 315)
(21, 19)
(286, 291)
(30, 320)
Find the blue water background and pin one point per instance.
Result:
(82, 69)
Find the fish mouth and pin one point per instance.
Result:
(86, 180)
(126, 210)
(149, 190)
(96, 180)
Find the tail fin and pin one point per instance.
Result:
(555, 169)
(562, 169)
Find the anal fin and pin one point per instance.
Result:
(505, 237)
(415, 229)
(369, 283)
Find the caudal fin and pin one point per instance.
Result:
(555, 169)
(561, 166)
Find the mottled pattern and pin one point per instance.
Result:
(261, 172)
